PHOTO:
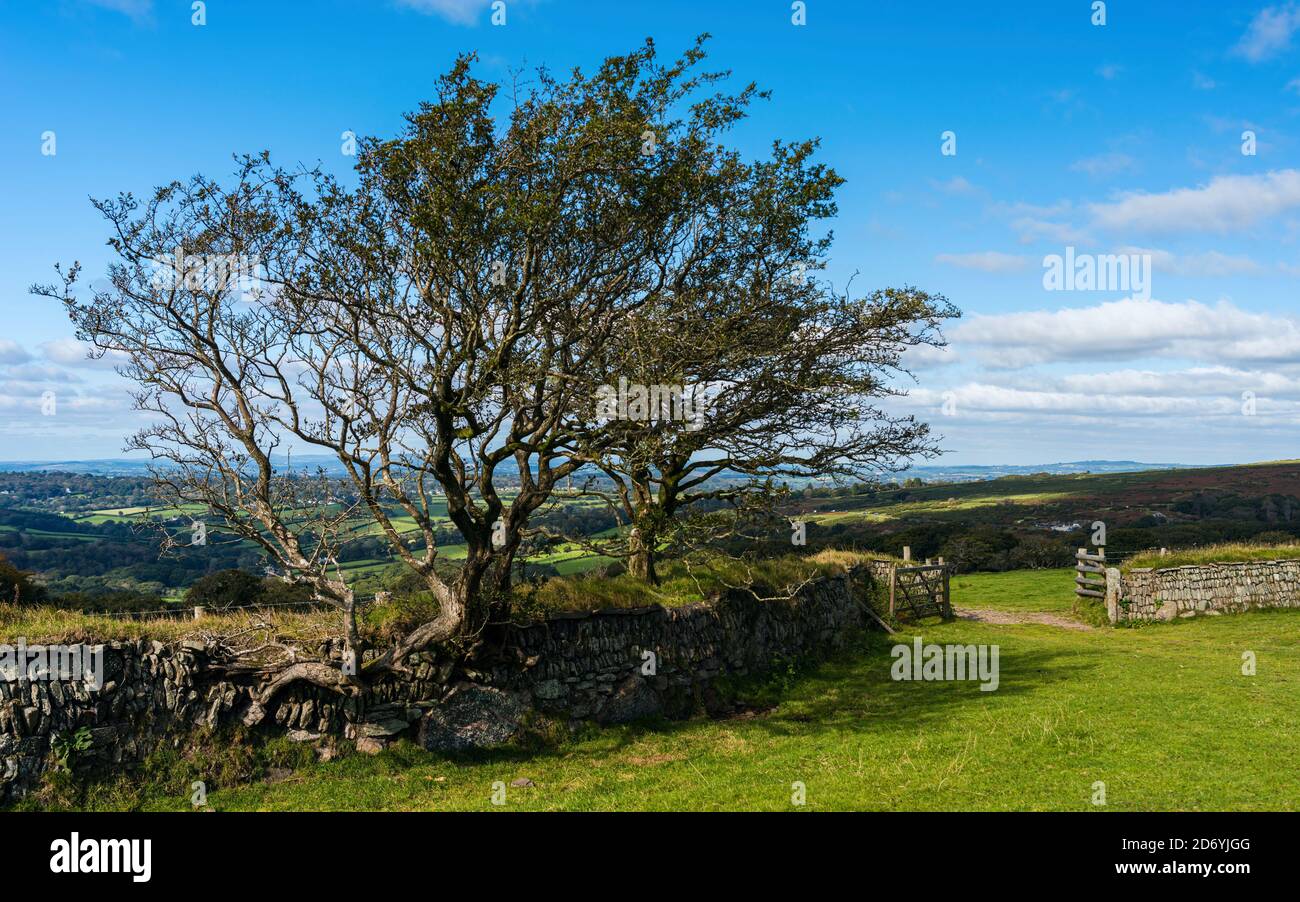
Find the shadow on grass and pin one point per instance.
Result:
(857, 693)
(850, 692)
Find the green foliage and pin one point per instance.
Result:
(1226, 553)
(224, 589)
(1040, 553)
(236, 588)
(17, 587)
(683, 582)
(65, 747)
(220, 759)
(1072, 707)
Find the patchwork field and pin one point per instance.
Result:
(1162, 715)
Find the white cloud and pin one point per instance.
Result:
(1032, 230)
(1132, 328)
(1228, 202)
(1204, 381)
(12, 352)
(137, 10)
(984, 261)
(1110, 71)
(1208, 264)
(460, 12)
(1269, 33)
(71, 352)
(982, 398)
(955, 185)
(1103, 164)
(1203, 82)
(924, 357)
(34, 374)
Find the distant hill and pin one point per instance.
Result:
(102, 467)
(930, 473)
(955, 473)
(140, 467)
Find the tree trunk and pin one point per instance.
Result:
(641, 555)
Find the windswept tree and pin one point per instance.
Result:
(754, 371)
(17, 586)
(436, 326)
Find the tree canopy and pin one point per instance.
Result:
(460, 311)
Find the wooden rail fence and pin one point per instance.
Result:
(1090, 573)
(919, 591)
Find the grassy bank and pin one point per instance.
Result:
(1226, 553)
(679, 585)
(1162, 716)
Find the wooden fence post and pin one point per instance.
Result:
(947, 592)
(893, 582)
(198, 612)
(1090, 573)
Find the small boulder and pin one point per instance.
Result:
(634, 699)
(383, 728)
(254, 714)
(548, 690)
(369, 745)
(471, 717)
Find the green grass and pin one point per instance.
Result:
(135, 514)
(846, 509)
(581, 563)
(49, 533)
(681, 585)
(1162, 715)
(568, 592)
(1226, 553)
(1016, 590)
(39, 623)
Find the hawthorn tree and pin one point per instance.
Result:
(434, 327)
(17, 586)
(782, 376)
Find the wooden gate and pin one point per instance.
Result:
(1090, 573)
(919, 591)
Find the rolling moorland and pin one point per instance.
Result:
(93, 541)
(1161, 715)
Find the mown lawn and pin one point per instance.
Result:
(1162, 715)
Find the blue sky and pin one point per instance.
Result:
(1122, 138)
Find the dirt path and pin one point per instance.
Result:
(985, 615)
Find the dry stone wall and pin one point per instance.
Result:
(1172, 592)
(610, 667)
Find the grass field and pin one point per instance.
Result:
(1162, 715)
(942, 503)
(1016, 590)
(1225, 553)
